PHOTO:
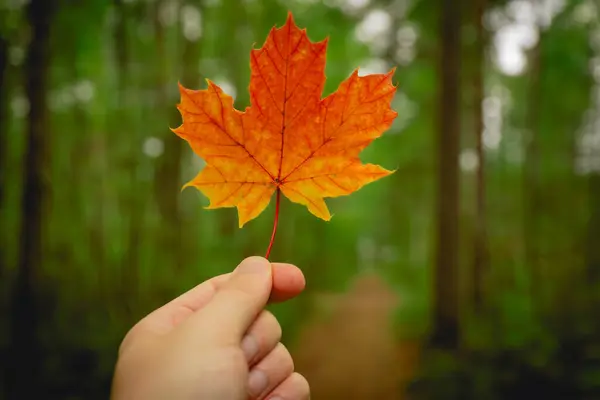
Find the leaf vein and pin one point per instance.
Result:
(259, 70)
(230, 136)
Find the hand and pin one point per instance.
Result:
(215, 342)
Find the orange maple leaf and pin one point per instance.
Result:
(289, 139)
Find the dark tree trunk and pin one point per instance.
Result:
(445, 328)
(4, 127)
(480, 256)
(4, 96)
(593, 236)
(23, 377)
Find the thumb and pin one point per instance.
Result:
(237, 302)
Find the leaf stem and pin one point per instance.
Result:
(275, 221)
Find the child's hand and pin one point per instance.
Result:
(215, 342)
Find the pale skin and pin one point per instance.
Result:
(215, 342)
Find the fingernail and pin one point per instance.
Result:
(276, 398)
(252, 265)
(249, 347)
(257, 382)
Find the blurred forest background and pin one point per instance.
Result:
(473, 272)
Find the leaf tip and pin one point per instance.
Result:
(290, 18)
(182, 89)
(390, 74)
(177, 130)
(185, 186)
(242, 220)
(388, 172)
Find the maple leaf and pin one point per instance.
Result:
(289, 140)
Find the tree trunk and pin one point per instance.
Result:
(4, 97)
(25, 353)
(480, 256)
(445, 328)
(592, 248)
